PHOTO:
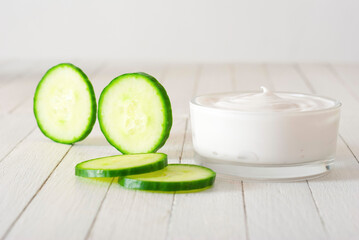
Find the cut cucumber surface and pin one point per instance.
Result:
(121, 165)
(65, 104)
(175, 177)
(135, 113)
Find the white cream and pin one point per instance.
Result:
(264, 128)
(265, 101)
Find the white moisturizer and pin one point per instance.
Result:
(264, 128)
(265, 101)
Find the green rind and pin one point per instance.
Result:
(166, 103)
(92, 119)
(132, 183)
(90, 173)
(178, 192)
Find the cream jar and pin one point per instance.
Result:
(265, 135)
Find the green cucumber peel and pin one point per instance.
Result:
(121, 165)
(175, 177)
(135, 113)
(50, 99)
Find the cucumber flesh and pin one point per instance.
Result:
(175, 177)
(121, 165)
(65, 104)
(135, 113)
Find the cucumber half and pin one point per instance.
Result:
(65, 104)
(135, 113)
(175, 177)
(121, 165)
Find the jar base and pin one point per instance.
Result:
(269, 173)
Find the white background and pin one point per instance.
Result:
(181, 31)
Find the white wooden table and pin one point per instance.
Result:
(40, 197)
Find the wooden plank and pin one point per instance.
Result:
(128, 214)
(66, 204)
(284, 77)
(133, 214)
(215, 78)
(17, 93)
(278, 210)
(24, 171)
(324, 82)
(12, 131)
(346, 165)
(250, 77)
(336, 194)
(179, 82)
(281, 211)
(348, 76)
(188, 150)
(216, 213)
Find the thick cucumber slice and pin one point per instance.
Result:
(175, 177)
(65, 104)
(135, 113)
(121, 165)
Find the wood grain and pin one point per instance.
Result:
(134, 210)
(207, 215)
(336, 193)
(17, 128)
(24, 171)
(78, 198)
(180, 84)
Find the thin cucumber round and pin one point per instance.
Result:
(175, 177)
(121, 165)
(135, 113)
(65, 104)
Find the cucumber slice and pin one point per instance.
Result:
(135, 113)
(121, 165)
(65, 104)
(175, 177)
